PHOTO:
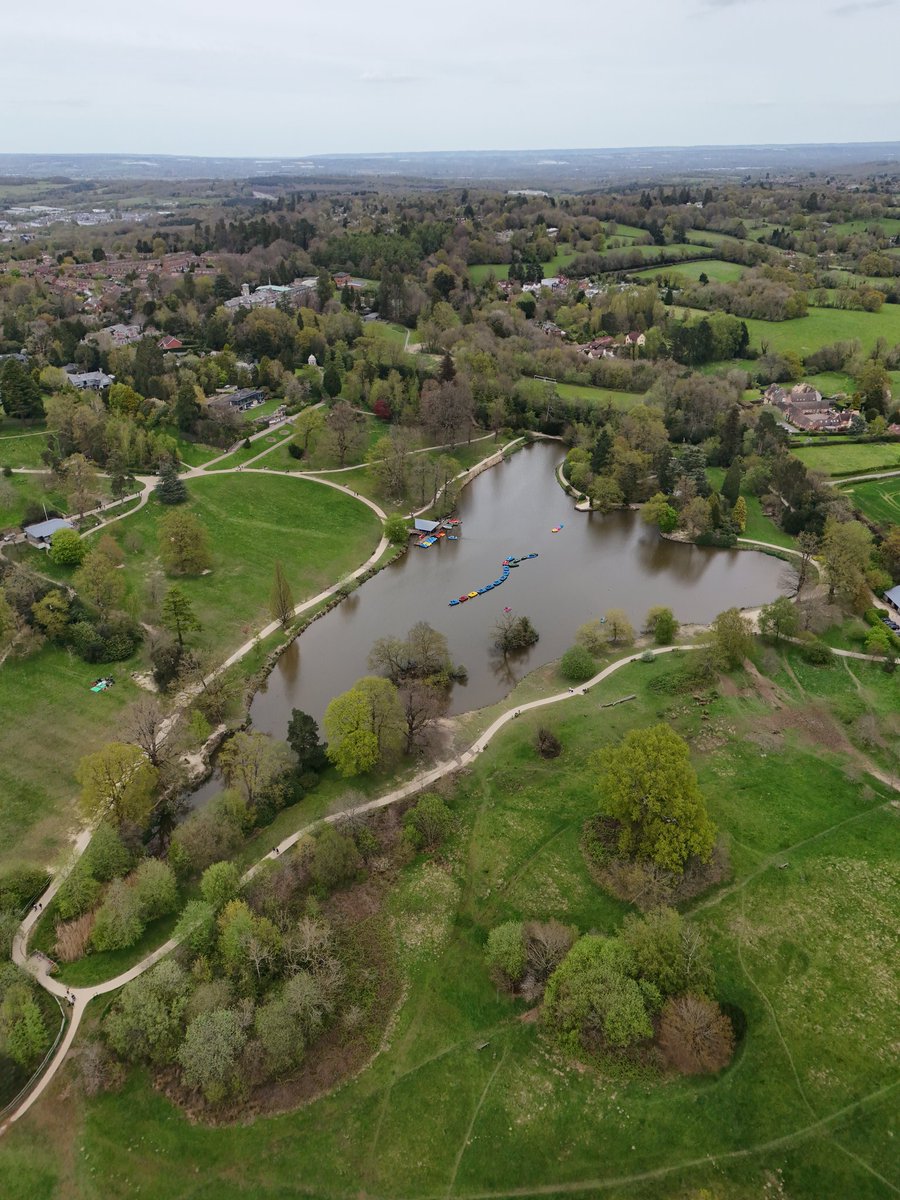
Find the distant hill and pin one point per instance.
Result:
(572, 168)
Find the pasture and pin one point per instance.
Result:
(850, 458)
(713, 268)
(879, 500)
(465, 1099)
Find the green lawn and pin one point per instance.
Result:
(243, 453)
(22, 449)
(759, 527)
(465, 1100)
(584, 391)
(713, 268)
(878, 500)
(888, 226)
(850, 458)
(50, 717)
(18, 491)
(478, 272)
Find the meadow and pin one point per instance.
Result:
(878, 500)
(319, 535)
(713, 268)
(466, 1099)
(600, 396)
(850, 458)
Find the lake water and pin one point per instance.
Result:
(593, 564)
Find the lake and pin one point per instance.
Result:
(593, 564)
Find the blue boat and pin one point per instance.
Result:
(454, 603)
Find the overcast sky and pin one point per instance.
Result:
(295, 77)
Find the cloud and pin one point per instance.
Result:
(726, 3)
(857, 6)
(381, 76)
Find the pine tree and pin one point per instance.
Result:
(731, 485)
(178, 614)
(170, 489)
(447, 372)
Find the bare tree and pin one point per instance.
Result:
(144, 725)
(345, 431)
(422, 705)
(447, 410)
(798, 569)
(695, 1035)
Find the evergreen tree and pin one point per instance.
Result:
(178, 614)
(186, 409)
(19, 392)
(602, 451)
(447, 372)
(731, 485)
(170, 489)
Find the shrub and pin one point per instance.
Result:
(548, 744)
(78, 893)
(119, 922)
(156, 889)
(577, 665)
(335, 859)
(505, 953)
(106, 857)
(428, 822)
(396, 530)
(695, 1035)
(817, 654)
(21, 885)
(546, 944)
(67, 549)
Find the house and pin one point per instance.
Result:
(39, 535)
(599, 348)
(342, 279)
(893, 598)
(121, 335)
(266, 295)
(635, 338)
(169, 343)
(552, 330)
(806, 409)
(92, 381)
(238, 401)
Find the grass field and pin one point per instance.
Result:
(478, 272)
(18, 491)
(22, 449)
(878, 500)
(318, 533)
(466, 1100)
(713, 268)
(759, 527)
(584, 391)
(890, 226)
(851, 458)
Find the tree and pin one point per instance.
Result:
(592, 635)
(593, 992)
(577, 664)
(147, 1021)
(846, 550)
(220, 883)
(281, 600)
(618, 627)
(428, 822)
(364, 725)
(146, 725)
(740, 513)
(662, 624)
(51, 614)
(67, 548)
(512, 634)
(447, 410)
(800, 565)
(648, 785)
(78, 894)
(183, 544)
(303, 738)
(106, 856)
(396, 530)
(156, 889)
(605, 494)
(308, 427)
(659, 512)
(695, 1035)
(345, 432)
(731, 485)
(505, 953)
(22, 1026)
(81, 482)
(390, 463)
(117, 781)
(335, 859)
(210, 1053)
(186, 408)
(100, 582)
(170, 487)
(731, 639)
(19, 391)
(331, 381)
(422, 704)
(778, 620)
(670, 954)
(178, 614)
(120, 921)
(253, 763)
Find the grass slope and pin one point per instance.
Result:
(465, 1100)
(850, 458)
(878, 500)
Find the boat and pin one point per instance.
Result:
(472, 595)
(453, 603)
(514, 564)
(462, 599)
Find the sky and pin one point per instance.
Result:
(273, 78)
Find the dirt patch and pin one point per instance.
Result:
(811, 722)
(532, 1016)
(769, 691)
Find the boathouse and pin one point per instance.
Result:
(420, 526)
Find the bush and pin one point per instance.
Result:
(156, 889)
(78, 894)
(695, 1035)
(67, 549)
(335, 859)
(396, 530)
(506, 954)
(577, 665)
(548, 744)
(817, 654)
(106, 857)
(428, 822)
(119, 922)
(20, 886)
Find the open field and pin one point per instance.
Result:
(478, 272)
(22, 449)
(318, 533)
(850, 458)
(889, 226)
(584, 391)
(465, 1100)
(878, 500)
(18, 491)
(714, 268)
(818, 328)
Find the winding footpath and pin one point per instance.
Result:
(79, 997)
